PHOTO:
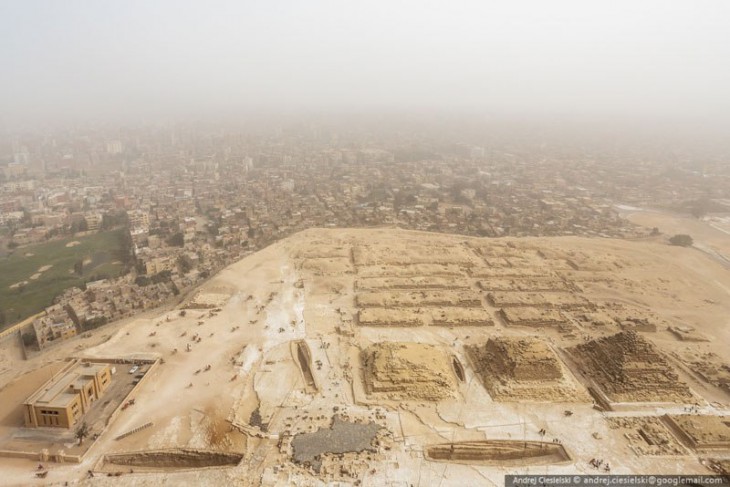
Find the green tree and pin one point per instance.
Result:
(176, 240)
(162, 276)
(681, 240)
(142, 281)
(79, 226)
(184, 264)
(94, 323)
(126, 249)
(82, 432)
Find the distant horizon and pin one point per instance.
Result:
(446, 125)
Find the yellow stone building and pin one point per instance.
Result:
(63, 400)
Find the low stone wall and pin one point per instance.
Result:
(21, 454)
(42, 456)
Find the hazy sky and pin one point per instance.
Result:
(107, 60)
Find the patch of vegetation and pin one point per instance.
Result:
(176, 240)
(94, 323)
(681, 240)
(104, 254)
(701, 207)
(162, 276)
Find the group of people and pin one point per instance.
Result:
(597, 463)
(543, 432)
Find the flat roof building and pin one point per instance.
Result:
(63, 400)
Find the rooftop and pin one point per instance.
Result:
(57, 391)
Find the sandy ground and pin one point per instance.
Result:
(303, 288)
(710, 234)
(11, 412)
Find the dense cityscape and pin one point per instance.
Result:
(185, 202)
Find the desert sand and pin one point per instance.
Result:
(275, 347)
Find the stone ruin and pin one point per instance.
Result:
(647, 435)
(553, 300)
(702, 432)
(524, 359)
(408, 371)
(532, 317)
(384, 299)
(446, 316)
(709, 366)
(688, 334)
(628, 368)
(521, 369)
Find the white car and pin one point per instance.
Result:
(134, 369)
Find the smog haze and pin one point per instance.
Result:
(134, 61)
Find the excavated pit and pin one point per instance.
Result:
(499, 452)
(458, 369)
(304, 358)
(174, 459)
